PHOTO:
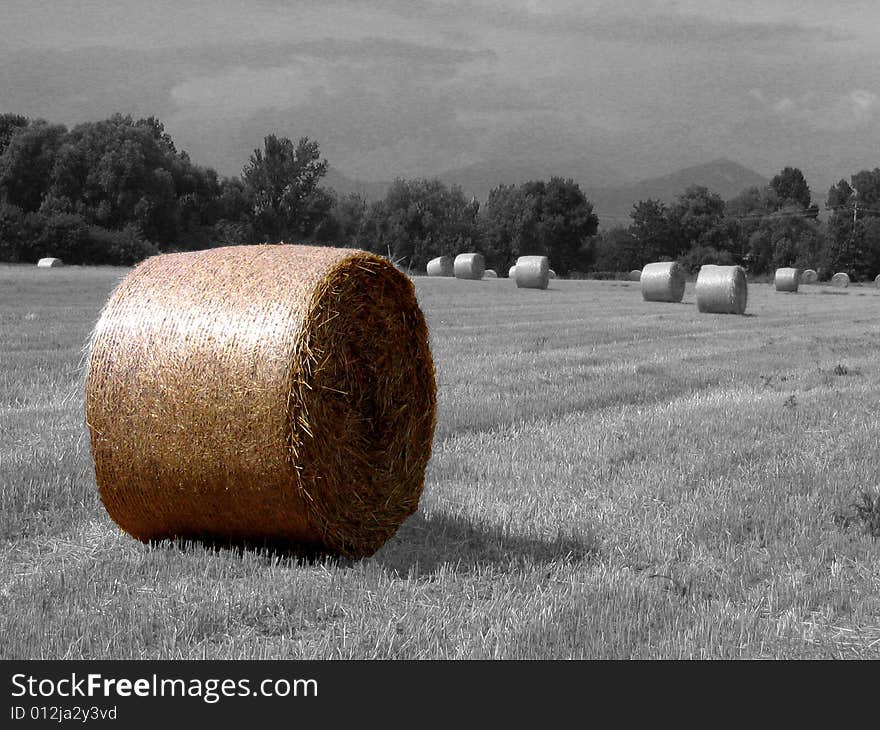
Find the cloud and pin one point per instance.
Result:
(853, 110)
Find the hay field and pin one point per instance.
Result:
(611, 478)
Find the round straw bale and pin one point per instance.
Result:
(469, 266)
(877, 280)
(532, 272)
(809, 276)
(511, 272)
(551, 273)
(635, 275)
(721, 289)
(441, 266)
(663, 282)
(49, 263)
(841, 278)
(270, 393)
(787, 279)
(490, 274)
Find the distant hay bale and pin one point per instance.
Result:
(787, 279)
(840, 279)
(809, 276)
(877, 280)
(663, 281)
(635, 275)
(490, 274)
(551, 273)
(441, 266)
(532, 272)
(469, 266)
(721, 289)
(49, 263)
(269, 393)
(511, 272)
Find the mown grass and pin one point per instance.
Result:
(611, 479)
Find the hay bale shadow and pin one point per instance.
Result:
(424, 543)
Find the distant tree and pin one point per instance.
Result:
(617, 249)
(419, 219)
(840, 195)
(282, 182)
(26, 164)
(9, 125)
(867, 186)
(698, 214)
(791, 188)
(655, 230)
(551, 218)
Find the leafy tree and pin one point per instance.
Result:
(282, 183)
(699, 214)
(419, 219)
(618, 249)
(27, 162)
(9, 125)
(791, 188)
(656, 232)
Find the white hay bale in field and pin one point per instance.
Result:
(787, 279)
(721, 289)
(532, 272)
(469, 266)
(551, 273)
(511, 272)
(441, 266)
(877, 280)
(635, 275)
(49, 263)
(841, 278)
(663, 281)
(490, 274)
(809, 276)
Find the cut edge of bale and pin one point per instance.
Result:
(721, 289)
(469, 266)
(841, 278)
(663, 281)
(809, 276)
(271, 382)
(441, 266)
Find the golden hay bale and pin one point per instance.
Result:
(532, 272)
(490, 274)
(511, 272)
(441, 266)
(840, 279)
(275, 393)
(551, 273)
(809, 276)
(721, 289)
(49, 263)
(787, 279)
(469, 266)
(635, 275)
(663, 282)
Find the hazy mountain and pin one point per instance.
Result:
(727, 178)
(612, 202)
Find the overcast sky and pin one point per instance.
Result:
(414, 87)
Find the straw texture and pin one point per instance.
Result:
(272, 393)
(511, 272)
(635, 275)
(441, 266)
(49, 263)
(840, 279)
(787, 279)
(532, 272)
(809, 276)
(721, 289)
(490, 274)
(663, 282)
(469, 266)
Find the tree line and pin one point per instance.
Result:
(118, 190)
